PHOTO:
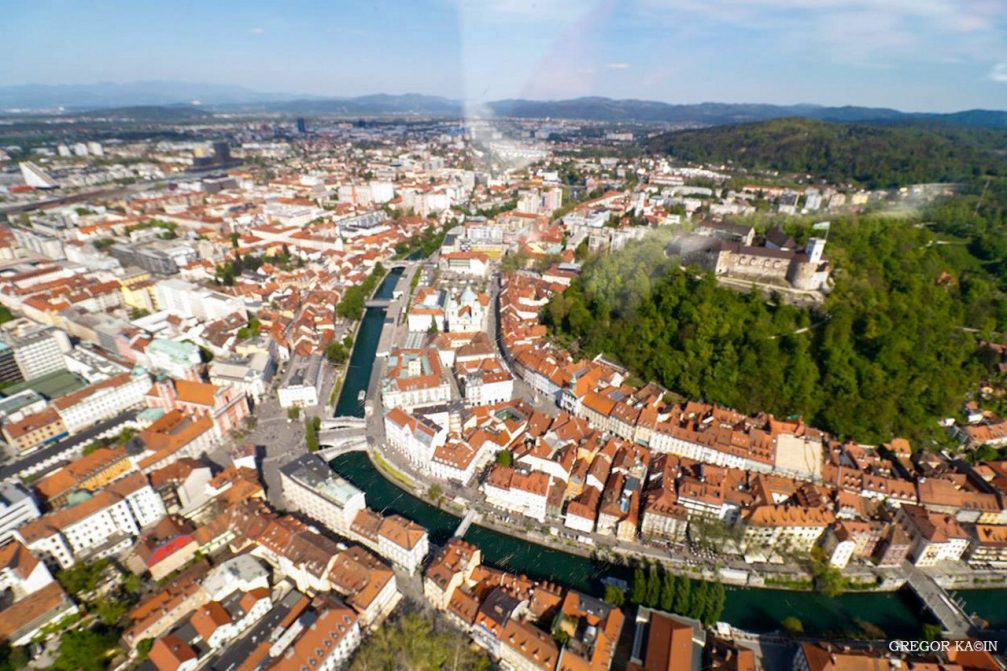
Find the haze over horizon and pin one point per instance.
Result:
(931, 55)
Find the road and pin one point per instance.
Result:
(49, 457)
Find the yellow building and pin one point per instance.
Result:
(89, 473)
(138, 291)
(34, 430)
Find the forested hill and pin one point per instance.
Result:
(885, 356)
(872, 155)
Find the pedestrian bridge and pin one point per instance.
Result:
(345, 422)
(948, 612)
(333, 447)
(466, 522)
(377, 303)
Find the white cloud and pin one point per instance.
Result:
(257, 31)
(618, 66)
(999, 72)
(866, 32)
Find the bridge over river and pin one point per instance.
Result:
(948, 612)
(466, 522)
(339, 435)
(335, 423)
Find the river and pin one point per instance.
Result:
(358, 373)
(898, 614)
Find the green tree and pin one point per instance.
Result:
(412, 643)
(86, 650)
(698, 601)
(932, 632)
(716, 600)
(132, 584)
(638, 590)
(614, 596)
(683, 590)
(558, 631)
(13, 659)
(866, 154)
(111, 611)
(143, 648)
(351, 305)
(840, 366)
(83, 577)
(829, 580)
(336, 353)
(792, 626)
(668, 592)
(505, 458)
(435, 494)
(653, 588)
(311, 433)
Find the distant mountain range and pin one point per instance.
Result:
(105, 94)
(212, 97)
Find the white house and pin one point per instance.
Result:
(101, 526)
(935, 537)
(414, 435)
(102, 400)
(466, 263)
(414, 378)
(523, 493)
(403, 542)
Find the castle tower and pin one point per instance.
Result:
(814, 250)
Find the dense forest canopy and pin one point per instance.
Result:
(885, 355)
(872, 155)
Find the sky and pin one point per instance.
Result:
(913, 55)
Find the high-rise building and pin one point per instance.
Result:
(9, 372)
(40, 352)
(553, 199)
(221, 152)
(529, 201)
(301, 126)
(17, 507)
